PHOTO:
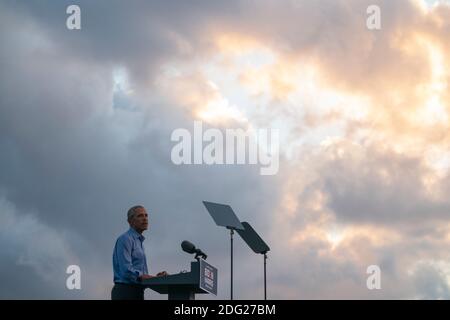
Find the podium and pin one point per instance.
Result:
(202, 279)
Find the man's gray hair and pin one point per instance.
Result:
(132, 211)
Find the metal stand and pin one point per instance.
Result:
(231, 243)
(224, 216)
(265, 278)
(258, 245)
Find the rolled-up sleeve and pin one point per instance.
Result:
(124, 247)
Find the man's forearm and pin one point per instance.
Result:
(145, 276)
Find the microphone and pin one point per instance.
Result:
(190, 248)
(187, 247)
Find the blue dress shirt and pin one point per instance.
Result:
(129, 261)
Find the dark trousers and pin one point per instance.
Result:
(122, 291)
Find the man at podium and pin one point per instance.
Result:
(129, 261)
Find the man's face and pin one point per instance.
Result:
(139, 221)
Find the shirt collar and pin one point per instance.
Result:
(136, 234)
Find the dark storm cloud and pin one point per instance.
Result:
(373, 185)
(138, 34)
(431, 283)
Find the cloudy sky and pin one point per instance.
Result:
(86, 118)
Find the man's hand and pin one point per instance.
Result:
(162, 274)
